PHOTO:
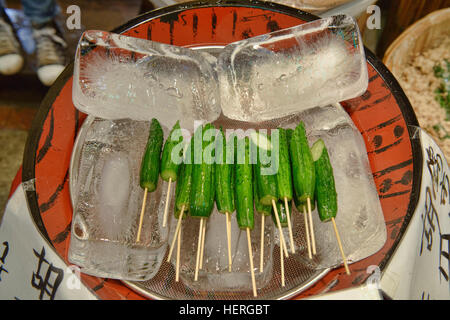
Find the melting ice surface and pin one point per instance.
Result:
(113, 200)
(290, 70)
(107, 202)
(257, 79)
(117, 77)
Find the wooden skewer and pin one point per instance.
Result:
(200, 229)
(313, 237)
(282, 264)
(250, 255)
(340, 246)
(279, 229)
(305, 214)
(261, 258)
(203, 244)
(177, 268)
(166, 208)
(291, 238)
(177, 230)
(141, 218)
(228, 223)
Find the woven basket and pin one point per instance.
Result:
(419, 36)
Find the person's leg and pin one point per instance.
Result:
(50, 44)
(40, 11)
(11, 60)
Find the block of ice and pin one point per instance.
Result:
(290, 70)
(107, 202)
(117, 77)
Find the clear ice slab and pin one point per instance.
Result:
(291, 70)
(107, 199)
(117, 77)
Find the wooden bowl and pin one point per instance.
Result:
(419, 36)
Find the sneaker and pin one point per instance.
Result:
(50, 52)
(11, 60)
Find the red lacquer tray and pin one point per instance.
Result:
(383, 115)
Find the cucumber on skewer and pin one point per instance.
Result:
(223, 181)
(244, 191)
(183, 189)
(150, 166)
(303, 172)
(284, 179)
(244, 202)
(326, 190)
(151, 160)
(202, 190)
(224, 176)
(266, 184)
(259, 207)
(169, 166)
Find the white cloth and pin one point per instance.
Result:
(420, 264)
(29, 267)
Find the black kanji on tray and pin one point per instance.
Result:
(3, 258)
(46, 281)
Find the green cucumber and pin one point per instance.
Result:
(203, 188)
(284, 178)
(244, 191)
(151, 160)
(266, 184)
(170, 168)
(183, 189)
(304, 205)
(259, 208)
(303, 172)
(282, 214)
(224, 181)
(289, 133)
(325, 185)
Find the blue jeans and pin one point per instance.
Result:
(38, 11)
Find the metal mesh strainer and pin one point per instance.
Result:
(300, 273)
